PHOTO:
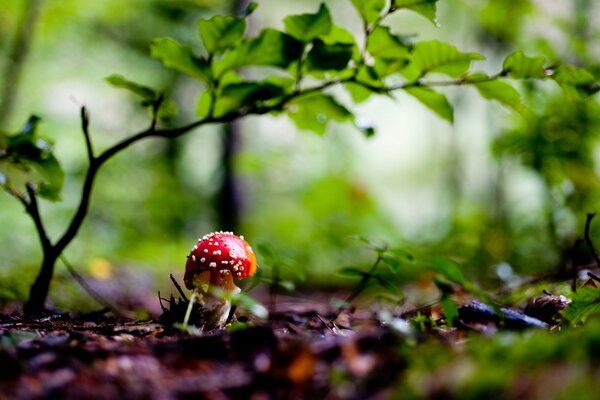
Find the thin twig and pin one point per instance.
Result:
(363, 282)
(588, 239)
(90, 291)
(34, 211)
(155, 107)
(181, 293)
(85, 124)
(326, 323)
(594, 276)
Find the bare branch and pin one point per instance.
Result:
(33, 210)
(93, 294)
(181, 293)
(85, 124)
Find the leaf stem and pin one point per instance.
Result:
(362, 284)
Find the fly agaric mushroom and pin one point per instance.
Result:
(215, 261)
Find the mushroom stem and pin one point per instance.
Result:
(216, 301)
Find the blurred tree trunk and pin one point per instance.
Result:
(16, 59)
(229, 199)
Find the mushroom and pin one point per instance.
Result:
(215, 261)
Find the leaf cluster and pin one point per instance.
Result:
(28, 157)
(313, 45)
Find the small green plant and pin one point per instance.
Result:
(310, 56)
(393, 259)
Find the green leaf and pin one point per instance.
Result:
(324, 57)
(307, 27)
(235, 96)
(357, 92)
(180, 58)
(54, 177)
(140, 90)
(449, 308)
(369, 10)
(393, 262)
(585, 302)
(287, 285)
(520, 66)
(27, 151)
(221, 32)
(384, 282)
(351, 272)
(314, 111)
(382, 43)
(435, 101)
(498, 90)
(248, 303)
(440, 57)
(575, 80)
(267, 251)
(369, 79)
(271, 47)
(448, 269)
(167, 110)
(391, 52)
(426, 8)
(401, 254)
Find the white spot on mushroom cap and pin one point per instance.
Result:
(212, 264)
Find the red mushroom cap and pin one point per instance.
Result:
(223, 255)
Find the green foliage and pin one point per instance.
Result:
(312, 43)
(427, 8)
(498, 90)
(575, 80)
(28, 157)
(163, 109)
(437, 102)
(221, 32)
(496, 366)
(518, 65)
(385, 45)
(270, 48)
(325, 56)
(585, 302)
(435, 56)
(307, 27)
(180, 58)
(369, 10)
(316, 110)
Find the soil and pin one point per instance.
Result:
(303, 351)
(296, 354)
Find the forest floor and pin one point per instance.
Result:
(304, 351)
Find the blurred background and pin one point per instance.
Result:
(497, 196)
